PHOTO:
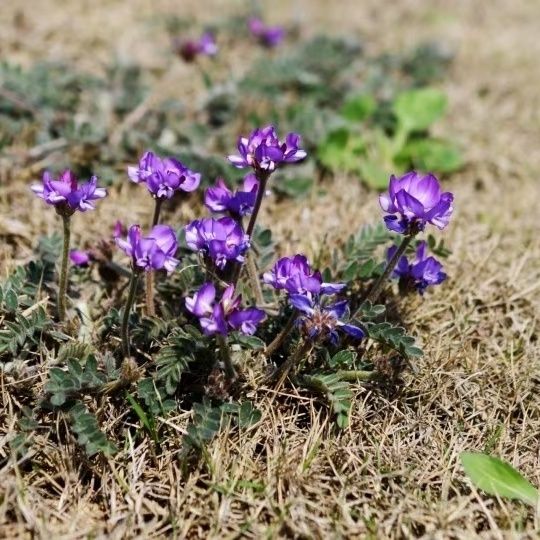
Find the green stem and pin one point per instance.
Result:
(376, 288)
(133, 282)
(226, 357)
(62, 288)
(262, 177)
(280, 374)
(356, 375)
(149, 286)
(280, 338)
(254, 278)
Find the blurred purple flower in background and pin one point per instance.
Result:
(79, 258)
(66, 194)
(189, 49)
(269, 36)
(295, 275)
(163, 176)
(416, 200)
(419, 273)
(239, 203)
(321, 321)
(220, 239)
(152, 252)
(263, 151)
(219, 317)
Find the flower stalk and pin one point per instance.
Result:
(62, 288)
(225, 354)
(276, 343)
(375, 291)
(132, 292)
(149, 286)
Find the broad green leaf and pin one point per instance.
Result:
(435, 155)
(496, 477)
(358, 108)
(417, 109)
(341, 150)
(373, 174)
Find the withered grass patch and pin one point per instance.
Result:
(395, 472)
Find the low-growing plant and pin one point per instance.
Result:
(225, 305)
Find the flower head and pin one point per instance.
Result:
(414, 200)
(269, 36)
(295, 275)
(219, 317)
(220, 239)
(152, 252)
(419, 273)
(163, 176)
(67, 194)
(321, 321)
(263, 151)
(239, 203)
(189, 49)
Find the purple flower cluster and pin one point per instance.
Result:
(220, 239)
(152, 252)
(414, 200)
(221, 199)
(189, 49)
(320, 320)
(419, 273)
(268, 36)
(66, 194)
(163, 176)
(219, 317)
(263, 151)
(294, 275)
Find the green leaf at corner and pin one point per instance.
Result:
(417, 109)
(435, 155)
(496, 477)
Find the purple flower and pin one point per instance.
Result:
(421, 272)
(416, 200)
(240, 203)
(163, 176)
(263, 151)
(321, 321)
(79, 258)
(66, 194)
(295, 275)
(152, 252)
(220, 239)
(189, 49)
(219, 317)
(269, 36)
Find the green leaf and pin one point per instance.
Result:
(417, 109)
(373, 174)
(358, 108)
(248, 414)
(496, 477)
(435, 155)
(341, 150)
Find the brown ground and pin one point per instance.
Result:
(395, 472)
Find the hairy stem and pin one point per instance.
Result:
(254, 278)
(226, 357)
(127, 311)
(280, 374)
(376, 288)
(149, 287)
(62, 286)
(262, 177)
(280, 338)
(356, 375)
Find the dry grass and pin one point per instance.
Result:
(394, 473)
